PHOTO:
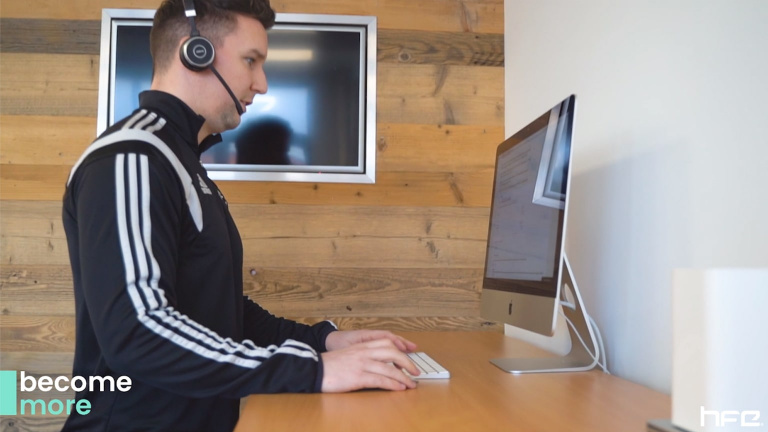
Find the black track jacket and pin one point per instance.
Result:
(157, 264)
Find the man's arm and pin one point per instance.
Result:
(264, 329)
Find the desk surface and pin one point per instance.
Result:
(477, 397)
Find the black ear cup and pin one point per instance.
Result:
(197, 53)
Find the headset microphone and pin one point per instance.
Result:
(231, 94)
(197, 52)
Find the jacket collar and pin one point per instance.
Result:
(187, 122)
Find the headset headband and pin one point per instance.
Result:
(191, 13)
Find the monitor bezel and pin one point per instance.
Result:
(365, 170)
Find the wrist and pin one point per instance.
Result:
(331, 340)
(322, 330)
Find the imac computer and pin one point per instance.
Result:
(528, 280)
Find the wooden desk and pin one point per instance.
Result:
(477, 397)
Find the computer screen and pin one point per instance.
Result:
(524, 263)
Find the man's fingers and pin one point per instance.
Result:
(385, 351)
(391, 376)
(405, 345)
(372, 380)
(409, 346)
(406, 363)
(401, 343)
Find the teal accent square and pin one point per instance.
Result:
(8, 393)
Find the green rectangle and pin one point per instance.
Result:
(8, 393)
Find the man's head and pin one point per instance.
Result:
(237, 30)
(215, 19)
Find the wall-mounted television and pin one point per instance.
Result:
(316, 123)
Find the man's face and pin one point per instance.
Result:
(240, 61)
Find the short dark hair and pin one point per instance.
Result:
(215, 20)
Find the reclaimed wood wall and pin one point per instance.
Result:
(405, 253)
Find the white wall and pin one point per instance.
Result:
(670, 163)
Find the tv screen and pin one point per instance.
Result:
(316, 123)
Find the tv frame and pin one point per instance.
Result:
(365, 170)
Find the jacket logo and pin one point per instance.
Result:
(204, 187)
(221, 195)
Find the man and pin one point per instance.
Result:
(157, 259)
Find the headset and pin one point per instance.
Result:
(197, 52)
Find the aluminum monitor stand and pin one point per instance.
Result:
(578, 359)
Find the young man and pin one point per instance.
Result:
(157, 259)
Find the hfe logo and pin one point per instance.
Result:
(745, 418)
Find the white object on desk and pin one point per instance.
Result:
(719, 353)
(430, 369)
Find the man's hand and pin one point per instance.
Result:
(344, 339)
(373, 364)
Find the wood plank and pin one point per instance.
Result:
(33, 182)
(364, 237)
(264, 222)
(33, 283)
(33, 234)
(429, 148)
(395, 46)
(50, 36)
(46, 290)
(440, 48)
(429, 94)
(36, 290)
(56, 334)
(367, 293)
(366, 253)
(67, 85)
(403, 324)
(45, 140)
(42, 219)
(49, 84)
(32, 424)
(439, 189)
(60, 140)
(37, 333)
(355, 251)
(483, 16)
(58, 363)
(13, 305)
(34, 219)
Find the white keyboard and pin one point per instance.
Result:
(429, 368)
